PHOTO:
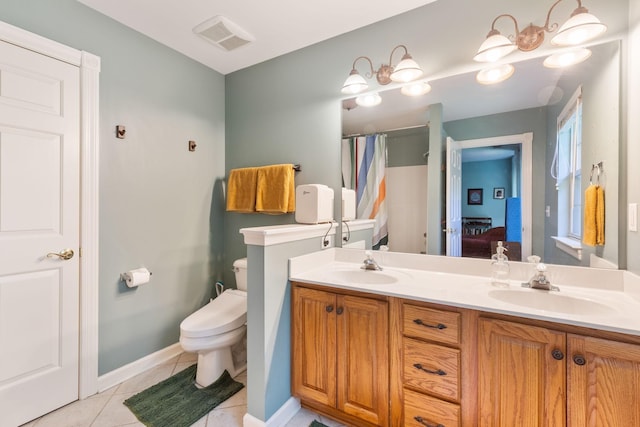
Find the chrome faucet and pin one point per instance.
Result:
(540, 280)
(370, 263)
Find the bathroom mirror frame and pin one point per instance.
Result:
(415, 113)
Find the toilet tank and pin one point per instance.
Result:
(240, 268)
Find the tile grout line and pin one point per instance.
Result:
(115, 392)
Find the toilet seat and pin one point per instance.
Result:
(223, 314)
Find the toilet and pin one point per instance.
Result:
(216, 328)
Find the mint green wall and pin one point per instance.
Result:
(269, 320)
(602, 142)
(407, 147)
(273, 118)
(159, 203)
(436, 160)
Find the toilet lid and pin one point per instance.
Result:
(225, 313)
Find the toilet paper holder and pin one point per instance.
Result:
(123, 276)
(127, 276)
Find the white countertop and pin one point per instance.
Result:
(603, 298)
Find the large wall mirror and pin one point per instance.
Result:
(515, 143)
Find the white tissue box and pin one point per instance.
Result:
(348, 204)
(314, 204)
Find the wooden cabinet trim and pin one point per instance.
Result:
(342, 291)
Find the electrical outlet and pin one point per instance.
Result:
(326, 242)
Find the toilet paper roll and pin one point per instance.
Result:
(136, 277)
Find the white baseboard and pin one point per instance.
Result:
(280, 418)
(136, 367)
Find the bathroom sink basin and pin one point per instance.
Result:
(364, 277)
(551, 301)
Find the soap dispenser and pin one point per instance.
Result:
(500, 267)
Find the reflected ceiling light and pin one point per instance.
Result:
(496, 74)
(369, 99)
(580, 27)
(566, 59)
(416, 89)
(407, 70)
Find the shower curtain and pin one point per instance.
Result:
(364, 160)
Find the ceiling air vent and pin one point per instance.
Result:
(223, 33)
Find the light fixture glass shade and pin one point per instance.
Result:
(566, 59)
(493, 75)
(416, 89)
(493, 48)
(407, 70)
(369, 99)
(578, 29)
(355, 83)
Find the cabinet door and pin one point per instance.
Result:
(520, 382)
(604, 383)
(363, 358)
(314, 345)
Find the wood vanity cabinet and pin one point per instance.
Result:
(341, 354)
(603, 386)
(521, 383)
(431, 365)
(371, 360)
(536, 376)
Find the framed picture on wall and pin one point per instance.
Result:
(474, 196)
(498, 193)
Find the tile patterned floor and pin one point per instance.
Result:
(107, 410)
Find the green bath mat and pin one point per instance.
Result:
(177, 402)
(316, 423)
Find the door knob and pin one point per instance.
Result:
(64, 254)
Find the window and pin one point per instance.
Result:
(567, 170)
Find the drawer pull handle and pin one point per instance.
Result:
(329, 308)
(557, 354)
(421, 323)
(425, 423)
(429, 371)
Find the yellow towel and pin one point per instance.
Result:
(593, 233)
(241, 190)
(276, 191)
(599, 215)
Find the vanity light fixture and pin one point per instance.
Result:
(369, 99)
(567, 58)
(496, 74)
(579, 28)
(407, 70)
(416, 89)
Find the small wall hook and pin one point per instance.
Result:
(192, 146)
(120, 131)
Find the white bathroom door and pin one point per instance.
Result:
(39, 215)
(454, 198)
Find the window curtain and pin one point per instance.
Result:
(364, 161)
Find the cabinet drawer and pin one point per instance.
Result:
(432, 368)
(430, 324)
(421, 410)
